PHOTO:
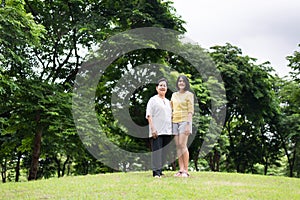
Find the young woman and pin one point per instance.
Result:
(159, 115)
(182, 103)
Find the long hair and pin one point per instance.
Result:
(185, 80)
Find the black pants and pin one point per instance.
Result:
(160, 153)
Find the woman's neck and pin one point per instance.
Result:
(161, 96)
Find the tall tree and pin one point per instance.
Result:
(289, 128)
(289, 123)
(294, 64)
(18, 33)
(75, 25)
(250, 106)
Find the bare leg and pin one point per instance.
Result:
(179, 153)
(183, 138)
(186, 160)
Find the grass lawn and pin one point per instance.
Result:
(141, 185)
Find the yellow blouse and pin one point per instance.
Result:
(182, 104)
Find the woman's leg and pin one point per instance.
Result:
(179, 153)
(183, 139)
(166, 151)
(157, 156)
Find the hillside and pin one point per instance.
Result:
(141, 185)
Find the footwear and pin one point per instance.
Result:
(179, 173)
(185, 174)
(157, 176)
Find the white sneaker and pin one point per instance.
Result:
(178, 174)
(185, 174)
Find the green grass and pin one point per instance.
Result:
(141, 185)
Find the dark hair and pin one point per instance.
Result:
(161, 80)
(186, 81)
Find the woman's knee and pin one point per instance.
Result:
(181, 146)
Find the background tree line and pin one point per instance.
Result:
(41, 52)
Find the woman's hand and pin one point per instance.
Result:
(187, 129)
(154, 134)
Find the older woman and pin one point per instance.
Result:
(159, 115)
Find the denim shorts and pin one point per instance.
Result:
(179, 128)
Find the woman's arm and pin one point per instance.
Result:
(189, 122)
(152, 128)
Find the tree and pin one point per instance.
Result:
(294, 64)
(289, 95)
(289, 123)
(250, 107)
(76, 25)
(18, 33)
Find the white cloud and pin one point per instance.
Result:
(264, 29)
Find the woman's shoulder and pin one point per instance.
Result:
(188, 93)
(153, 98)
(175, 93)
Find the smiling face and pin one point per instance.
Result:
(181, 84)
(162, 88)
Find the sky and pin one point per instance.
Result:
(268, 30)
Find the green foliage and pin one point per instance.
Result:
(294, 64)
(291, 101)
(42, 48)
(18, 31)
(288, 125)
(251, 107)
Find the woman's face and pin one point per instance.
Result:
(162, 88)
(181, 84)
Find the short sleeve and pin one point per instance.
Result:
(149, 108)
(190, 103)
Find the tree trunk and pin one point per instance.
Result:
(3, 171)
(196, 158)
(58, 166)
(18, 167)
(214, 160)
(297, 158)
(35, 155)
(266, 166)
(289, 157)
(217, 156)
(69, 169)
(211, 165)
(196, 164)
(291, 162)
(64, 166)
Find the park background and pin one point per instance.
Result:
(42, 47)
